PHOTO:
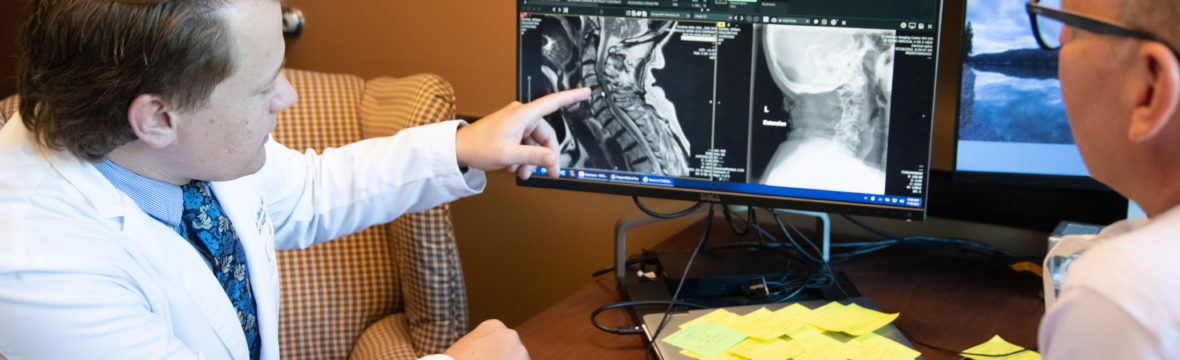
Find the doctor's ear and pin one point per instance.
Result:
(1157, 76)
(152, 121)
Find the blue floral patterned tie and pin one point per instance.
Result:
(212, 234)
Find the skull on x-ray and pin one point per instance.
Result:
(835, 84)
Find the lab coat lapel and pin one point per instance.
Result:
(173, 254)
(162, 250)
(243, 204)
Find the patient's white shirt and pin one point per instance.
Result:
(1121, 298)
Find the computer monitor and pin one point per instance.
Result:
(1012, 126)
(822, 105)
(1015, 162)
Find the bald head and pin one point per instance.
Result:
(1157, 17)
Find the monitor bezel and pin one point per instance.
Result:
(751, 199)
(728, 198)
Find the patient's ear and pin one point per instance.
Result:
(1157, 75)
(151, 120)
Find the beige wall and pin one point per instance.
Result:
(469, 42)
(525, 248)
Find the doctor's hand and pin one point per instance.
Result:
(516, 136)
(490, 340)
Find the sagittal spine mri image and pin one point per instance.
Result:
(627, 124)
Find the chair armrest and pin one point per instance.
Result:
(433, 289)
(387, 338)
(429, 270)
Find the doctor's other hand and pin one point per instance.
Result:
(516, 136)
(490, 340)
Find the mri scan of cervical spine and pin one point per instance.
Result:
(627, 124)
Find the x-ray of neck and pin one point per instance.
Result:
(835, 86)
(628, 124)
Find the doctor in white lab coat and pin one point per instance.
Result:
(85, 273)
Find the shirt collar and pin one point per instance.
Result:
(161, 200)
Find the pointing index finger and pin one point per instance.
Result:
(550, 103)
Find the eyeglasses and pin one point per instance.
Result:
(1048, 20)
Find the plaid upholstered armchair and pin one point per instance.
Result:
(393, 291)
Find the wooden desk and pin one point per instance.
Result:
(947, 298)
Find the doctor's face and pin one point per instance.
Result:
(224, 139)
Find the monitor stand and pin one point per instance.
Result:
(634, 287)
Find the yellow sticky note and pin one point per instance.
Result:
(776, 349)
(876, 320)
(999, 346)
(852, 319)
(692, 355)
(794, 310)
(828, 317)
(765, 324)
(747, 348)
(722, 356)
(754, 324)
(705, 338)
(719, 316)
(822, 347)
(876, 347)
(804, 332)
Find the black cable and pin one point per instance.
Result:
(892, 240)
(805, 239)
(673, 215)
(634, 330)
(645, 256)
(762, 233)
(750, 219)
(687, 266)
(939, 348)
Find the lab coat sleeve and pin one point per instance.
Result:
(312, 198)
(69, 315)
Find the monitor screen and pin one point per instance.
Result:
(1012, 125)
(821, 105)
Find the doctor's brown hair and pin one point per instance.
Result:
(82, 62)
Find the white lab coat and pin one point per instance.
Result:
(85, 274)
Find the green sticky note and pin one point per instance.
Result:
(705, 338)
(998, 346)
